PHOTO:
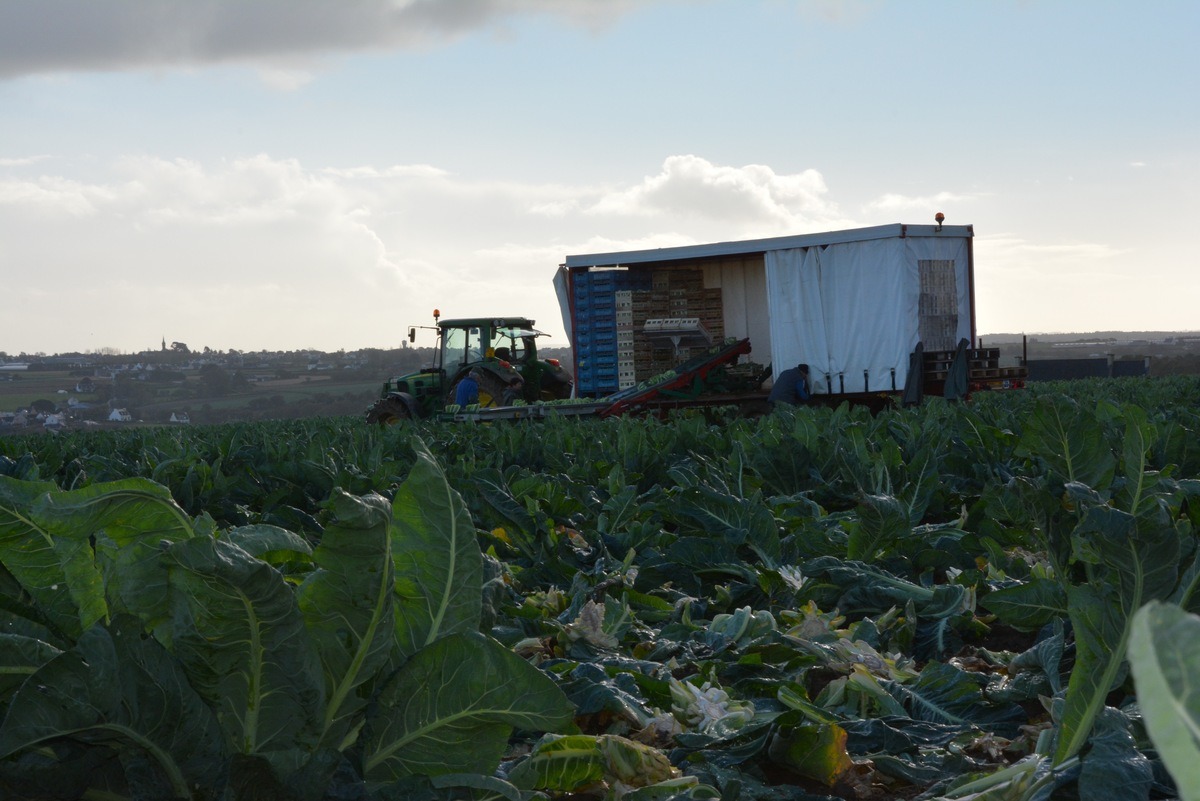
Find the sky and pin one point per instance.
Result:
(292, 174)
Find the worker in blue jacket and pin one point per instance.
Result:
(467, 391)
(791, 387)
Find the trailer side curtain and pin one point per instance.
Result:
(564, 303)
(848, 310)
(795, 313)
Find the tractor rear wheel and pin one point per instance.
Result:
(388, 412)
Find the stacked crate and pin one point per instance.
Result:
(938, 305)
(712, 313)
(626, 374)
(611, 310)
(595, 332)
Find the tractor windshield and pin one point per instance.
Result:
(461, 346)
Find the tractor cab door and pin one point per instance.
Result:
(462, 347)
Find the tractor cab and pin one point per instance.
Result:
(499, 353)
(503, 354)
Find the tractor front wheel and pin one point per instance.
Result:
(388, 412)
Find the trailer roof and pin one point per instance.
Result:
(738, 248)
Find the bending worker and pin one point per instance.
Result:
(791, 386)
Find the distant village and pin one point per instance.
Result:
(176, 385)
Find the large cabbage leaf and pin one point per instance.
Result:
(452, 707)
(124, 691)
(438, 564)
(1070, 442)
(1164, 650)
(129, 519)
(53, 565)
(243, 643)
(1128, 562)
(347, 604)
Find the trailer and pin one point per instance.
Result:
(878, 314)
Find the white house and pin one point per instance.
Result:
(120, 416)
(180, 417)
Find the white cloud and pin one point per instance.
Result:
(891, 202)
(52, 195)
(354, 248)
(22, 162)
(692, 187)
(285, 80)
(1014, 254)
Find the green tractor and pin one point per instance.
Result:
(499, 353)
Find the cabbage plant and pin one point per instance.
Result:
(148, 654)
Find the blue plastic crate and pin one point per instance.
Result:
(590, 328)
(639, 281)
(596, 345)
(592, 386)
(591, 349)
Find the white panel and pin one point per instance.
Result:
(955, 248)
(757, 310)
(733, 297)
(745, 313)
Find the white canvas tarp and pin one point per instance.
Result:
(848, 308)
(743, 285)
(564, 302)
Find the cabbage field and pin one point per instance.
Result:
(990, 600)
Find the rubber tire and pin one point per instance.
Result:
(388, 412)
(491, 390)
